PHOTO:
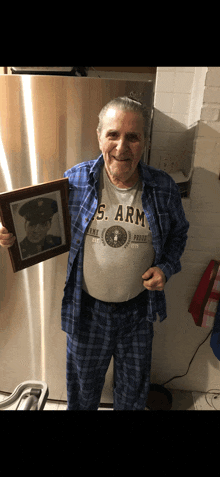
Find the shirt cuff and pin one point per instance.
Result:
(166, 269)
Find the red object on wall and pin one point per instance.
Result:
(205, 301)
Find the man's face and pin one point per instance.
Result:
(37, 232)
(122, 144)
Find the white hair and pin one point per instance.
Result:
(126, 104)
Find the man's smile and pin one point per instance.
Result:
(120, 160)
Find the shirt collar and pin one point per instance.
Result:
(95, 169)
(146, 175)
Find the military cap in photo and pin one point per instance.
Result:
(39, 210)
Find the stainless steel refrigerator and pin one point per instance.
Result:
(47, 125)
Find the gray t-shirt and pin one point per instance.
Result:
(118, 244)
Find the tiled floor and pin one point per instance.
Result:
(206, 402)
(182, 400)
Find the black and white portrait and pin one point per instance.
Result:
(38, 223)
(38, 217)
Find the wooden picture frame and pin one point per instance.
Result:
(39, 218)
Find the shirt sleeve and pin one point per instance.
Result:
(175, 243)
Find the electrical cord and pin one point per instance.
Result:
(182, 375)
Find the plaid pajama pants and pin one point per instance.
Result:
(106, 329)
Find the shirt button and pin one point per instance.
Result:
(86, 219)
(78, 241)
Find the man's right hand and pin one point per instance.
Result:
(6, 239)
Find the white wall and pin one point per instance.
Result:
(178, 100)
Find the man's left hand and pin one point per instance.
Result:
(154, 279)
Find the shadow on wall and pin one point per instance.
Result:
(207, 153)
(177, 338)
(172, 148)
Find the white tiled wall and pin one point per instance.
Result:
(178, 100)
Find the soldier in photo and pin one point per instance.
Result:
(38, 214)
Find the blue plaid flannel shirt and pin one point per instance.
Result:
(162, 205)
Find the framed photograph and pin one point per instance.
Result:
(39, 218)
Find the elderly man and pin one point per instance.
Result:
(128, 233)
